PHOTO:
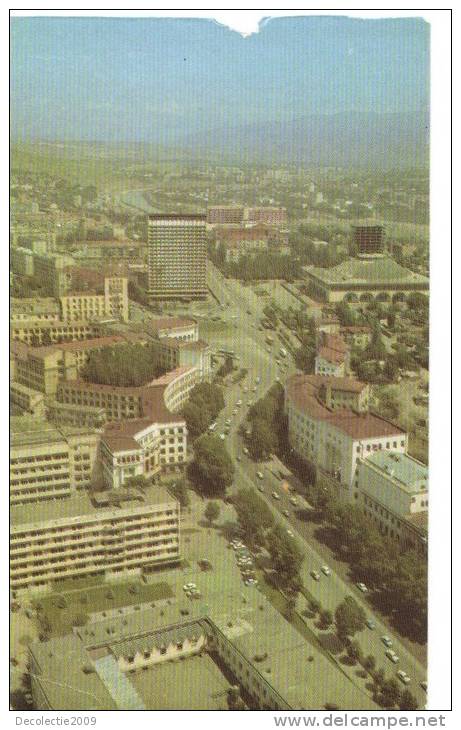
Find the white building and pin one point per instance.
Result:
(392, 488)
(329, 425)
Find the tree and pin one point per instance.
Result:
(263, 440)
(253, 514)
(349, 617)
(389, 405)
(354, 651)
(326, 618)
(286, 557)
(390, 693)
(137, 482)
(408, 701)
(212, 468)
(197, 419)
(390, 369)
(369, 663)
(346, 314)
(305, 358)
(179, 490)
(212, 511)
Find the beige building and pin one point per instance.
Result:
(27, 400)
(34, 309)
(47, 463)
(333, 356)
(88, 306)
(46, 331)
(177, 257)
(41, 368)
(54, 272)
(107, 536)
(142, 448)
(22, 261)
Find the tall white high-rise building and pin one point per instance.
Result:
(177, 256)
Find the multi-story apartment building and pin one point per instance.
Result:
(225, 215)
(54, 272)
(333, 356)
(34, 309)
(47, 463)
(113, 303)
(240, 242)
(268, 215)
(392, 488)
(40, 331)
(164, 395)
(329, 425)
(177, 257)
(27, 400)
(176, 353)
(22, 261)
(41, 368)
(112, 536)
(141, 448)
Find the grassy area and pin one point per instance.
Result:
(63, 609)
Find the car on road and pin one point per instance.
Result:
(325, 570)
(387, 641)
(362, 587)
(285, 513)
(260, 475)
(293, 501)
(315, 575)
(189, 586)
(260, 488)
(222, 436)
(370, 623)
(245, 451)
(275, 495)
(251, 582)
(290, 533)
(392, 656)
(403, 676)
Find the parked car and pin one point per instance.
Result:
(275, 495)
(260, 475)
(315, 575)
(293, 501)
(285, 513)
(392, 656)
(370, 623)
(362, 587)
(325, 570)
(290, 533)
(403, 676)
(222, 436)
(189, 586)
(386, 641)
(245, 451)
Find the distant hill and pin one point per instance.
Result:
(347, 139)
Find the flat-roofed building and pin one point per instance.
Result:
(179, 328)
(111, 535)
(46, 331)
(22, 261)
(225, 215)
(329, 425)
(269, 215)
(34, 309)
(177, 257)
(41, 368)
(47, 463)
(91, 305)
(27, 400)
(54, 272)
(393, 490)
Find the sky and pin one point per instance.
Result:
(159, 80)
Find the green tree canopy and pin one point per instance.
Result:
(253, 514)
(349, 617)
(286, 557)
(213, 468)
(212, 511)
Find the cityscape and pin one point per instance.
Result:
(219, 372)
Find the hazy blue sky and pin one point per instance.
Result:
(154, 79)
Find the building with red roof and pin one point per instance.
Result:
(333, 355)
(330, 425)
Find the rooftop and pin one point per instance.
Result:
(373, 271)
(32, 431)
(412, 474)
(302, 390)
(171, 323)
(78, 508)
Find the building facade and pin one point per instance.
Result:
(75, 537)
(177, 257)
(329, 425)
